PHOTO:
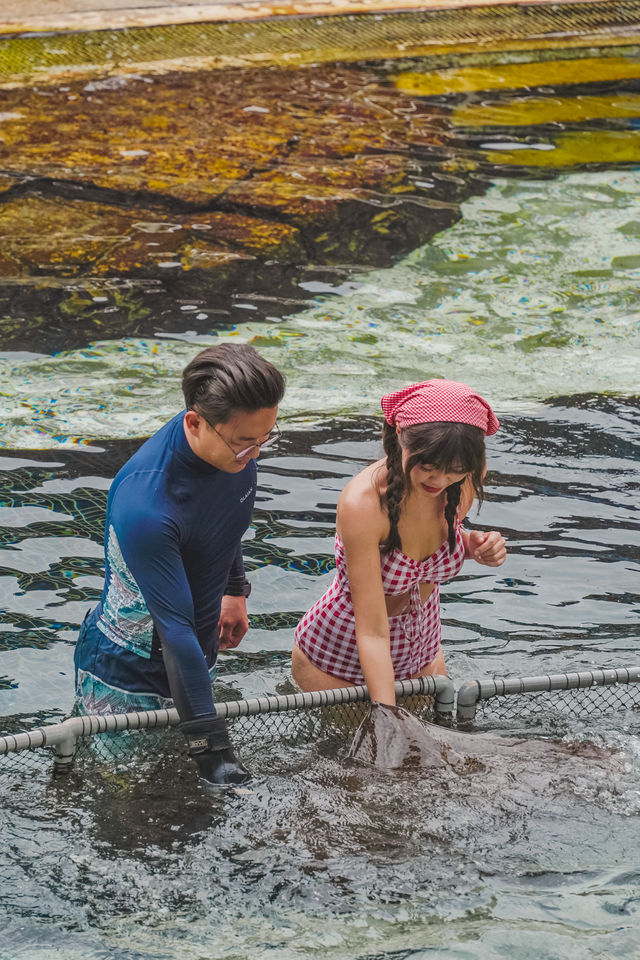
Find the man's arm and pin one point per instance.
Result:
(234, 623)
(150, 546)
(237, 580)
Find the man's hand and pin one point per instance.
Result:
(233, 622)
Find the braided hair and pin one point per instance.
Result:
(395, 490)
(450, 447)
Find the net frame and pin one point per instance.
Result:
(63, 739)
(472, 694)
(303, 717)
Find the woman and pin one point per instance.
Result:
(398, 536)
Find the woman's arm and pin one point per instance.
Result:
(486, 548)
(361, 528)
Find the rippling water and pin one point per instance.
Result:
(322, 857)
(533, 293)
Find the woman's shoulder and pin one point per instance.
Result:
(359, 503)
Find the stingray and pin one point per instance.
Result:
(391, 738)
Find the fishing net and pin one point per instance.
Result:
(562, 711)
(553, 704)
(330, 717)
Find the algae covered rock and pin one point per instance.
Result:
(180, 182)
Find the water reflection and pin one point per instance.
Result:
(562, 487)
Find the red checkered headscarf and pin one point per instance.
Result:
(437, 401)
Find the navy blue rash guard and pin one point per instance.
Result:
(172, 546)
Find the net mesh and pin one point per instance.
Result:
(560, 711)
(290, 718)
(293, 41)
(327, 727)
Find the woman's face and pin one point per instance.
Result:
(431, 480)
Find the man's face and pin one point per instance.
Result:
(220, 444)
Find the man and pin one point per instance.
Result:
(175, 588)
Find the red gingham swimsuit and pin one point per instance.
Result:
(327, 632)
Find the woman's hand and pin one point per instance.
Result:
(487, 548)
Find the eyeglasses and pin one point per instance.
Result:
(272, 438)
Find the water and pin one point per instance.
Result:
(534, 852)
(545, 306)
(531, 296)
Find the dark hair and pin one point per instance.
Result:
(451, 447)
(230, 378)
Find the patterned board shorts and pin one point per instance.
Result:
(96, 695)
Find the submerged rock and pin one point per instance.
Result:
(189, 138)
(198, 184)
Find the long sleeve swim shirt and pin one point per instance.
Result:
(172, 548)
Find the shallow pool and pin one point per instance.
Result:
(531, 295)
(322, 856)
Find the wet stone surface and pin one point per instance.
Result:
(240, 141)
(125, 198)
(198, 181)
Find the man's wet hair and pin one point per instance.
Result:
(228, 379)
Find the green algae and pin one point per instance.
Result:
(296, 41)
(469, 76)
